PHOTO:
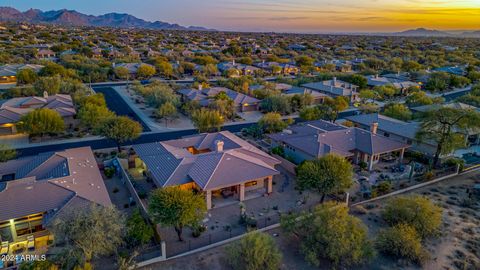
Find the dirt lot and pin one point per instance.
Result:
(458, 247)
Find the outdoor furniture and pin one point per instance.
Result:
(4, 248)
(30, 243)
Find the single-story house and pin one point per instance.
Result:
(45, 54)
(454, 70)
(394, 129)
(340, 65)
(318, 98)
(12, 110)
(335, 88)
(402, 85)
(283, 68)
(36, 189)
(243, 103)
(8, 73)
(314, 139)
(131, 67)
(241, 68)
(217, 164)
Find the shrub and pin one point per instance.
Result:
(278, 151)
(109, 172)
(402, 241)
(416, 211)
(452, 162)
(254, 252)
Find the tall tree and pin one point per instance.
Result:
(146, 71)
(119, 129)
(272, 122)
(329, 232)
(167, 111)
(397, 111)
(446, 127)
(122, 73)
(26, 76)
(176, 207)
(326, 175)
(89, 231)
(256, 251)
(332, 107)
(206, 120)
(41, 121)
(92, 115)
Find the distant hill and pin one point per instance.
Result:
(422, 32)
(74, 18)
(475, 34)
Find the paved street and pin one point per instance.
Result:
(118, 105)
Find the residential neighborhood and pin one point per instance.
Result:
(128, 143)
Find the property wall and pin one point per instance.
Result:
(287, 165)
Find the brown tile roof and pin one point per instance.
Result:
(13, 109)
(171, 164)
(318, 138)
(46, 182)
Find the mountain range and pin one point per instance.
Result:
(75, 18)
(422, 32)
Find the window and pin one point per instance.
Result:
(251, 184)
(28, 225)
(5, 232)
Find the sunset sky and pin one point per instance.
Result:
(312, 16)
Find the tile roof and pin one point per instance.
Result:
(320, 137)
(387, 124)
(204, 96)
(334, 87)
(12, 69)
(171, 164)
(46, 182)
(13, 109)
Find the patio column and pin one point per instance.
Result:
(242, 192)
(208, 198)
(370, 162)
(268, 184)
(402, 152)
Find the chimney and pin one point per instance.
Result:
(334, 81)
(45, 94)
(376, 76)
(219, 146)
(233, 62)
(200, 87)
(374, 127)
